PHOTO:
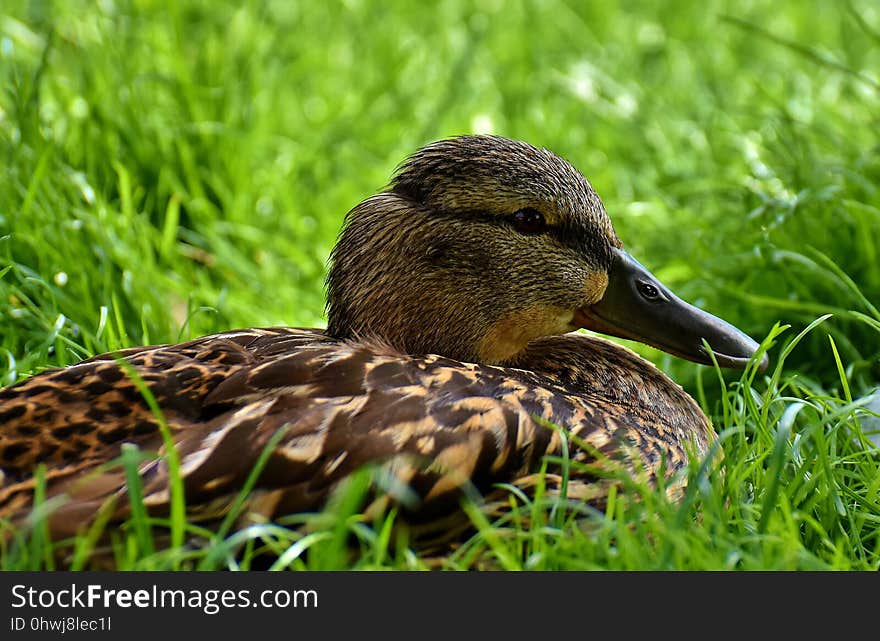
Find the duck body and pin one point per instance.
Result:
(435, 422)
(449, 352)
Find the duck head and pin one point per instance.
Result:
(482, 244)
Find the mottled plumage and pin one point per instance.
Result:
(445, 356)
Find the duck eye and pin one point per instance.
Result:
(648, 290)
(529, 221)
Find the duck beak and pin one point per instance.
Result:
(638, 307)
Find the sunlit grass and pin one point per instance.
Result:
(170, 169)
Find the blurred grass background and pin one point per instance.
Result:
(170, 169)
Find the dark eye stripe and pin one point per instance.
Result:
(584, 242)
(566, 233)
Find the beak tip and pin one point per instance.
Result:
(765, 363)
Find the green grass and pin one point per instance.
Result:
(171, 169)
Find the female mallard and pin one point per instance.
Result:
(449, 301)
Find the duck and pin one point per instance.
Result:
(452, 359)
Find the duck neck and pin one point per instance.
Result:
(397, 278)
